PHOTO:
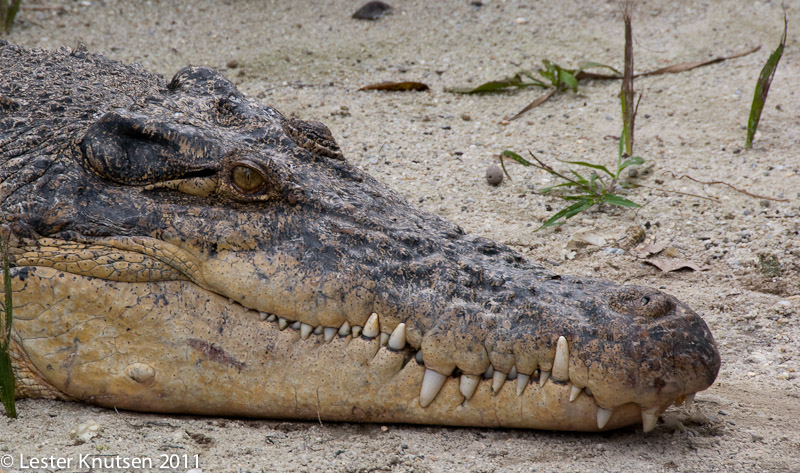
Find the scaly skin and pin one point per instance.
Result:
(165, 235)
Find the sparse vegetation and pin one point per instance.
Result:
(8, 11)
(762, 86)
(587, 191)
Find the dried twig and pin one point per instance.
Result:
(708, 183)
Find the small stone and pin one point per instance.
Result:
(384, 428)
(232, 64)
(85, 431)
(372, 11)
(521, 21)
(494, 175)
(466, 117)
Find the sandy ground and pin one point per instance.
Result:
(309, 58)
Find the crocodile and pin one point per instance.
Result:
(178, 247)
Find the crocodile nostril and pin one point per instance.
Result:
(645, 300)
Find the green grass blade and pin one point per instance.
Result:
(614, 199)
(633, 161)
(499, 85)
(545, 190)
(566, 213)
(565, 77)
(762, 86)
(516, 157)
(7, 381)
(7, 14)
(593, 65)
(581, 180)
(599, 167)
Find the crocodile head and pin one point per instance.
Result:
(182, 248)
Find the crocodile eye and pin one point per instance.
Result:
(246, 178)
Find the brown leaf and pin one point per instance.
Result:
(539, 100)
(397, 86)
(673, 264)
(644, 251)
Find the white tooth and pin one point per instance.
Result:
(262, 316)
(295, 325)
(418, 357)
(489, 372)
(587, 391)
(356, 331)
(561, 363)
(649, 419)
(318, 330)
(689, 402)
(330, 332)
(272, 318)
(371, 328)
(384, 339)
(543, 377)
(602, 417)
(432, 382)
(576, 391)
(522, 383)
(398, 339)
(513, 373)
(305, 330)
(344, 330)
(498, 379)
(469, 383)
(282, 323)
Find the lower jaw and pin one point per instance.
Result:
(173, 347)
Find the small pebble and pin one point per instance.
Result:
(494, 175)
(372, 11)
(232, 64)
(466, 117)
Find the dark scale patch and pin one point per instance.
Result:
(214, 353)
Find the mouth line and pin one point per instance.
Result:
(433, 381)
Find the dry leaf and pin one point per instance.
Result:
(673, 264)
(397, 86)
(644, 251)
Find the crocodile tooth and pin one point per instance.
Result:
(398, 339)
(296, 325)
(513, 373)
(469, 383)
(282, 323)
(418, 358)
(576, 391)
(689, 402)
(587, 391)
(262, 316)
(498, 379)
(344, 330)
(305, 330)
(602, 417)
(432, 382)
(318, 330)
(489, 372)
(371, 328)
(357, 331)
(561, 363)
(272, 318)
(649, 419)
(543, 377)
(330, 332)
(384, 339)
(522, 383)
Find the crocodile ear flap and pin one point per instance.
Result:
(203, 81)
(314, 137)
